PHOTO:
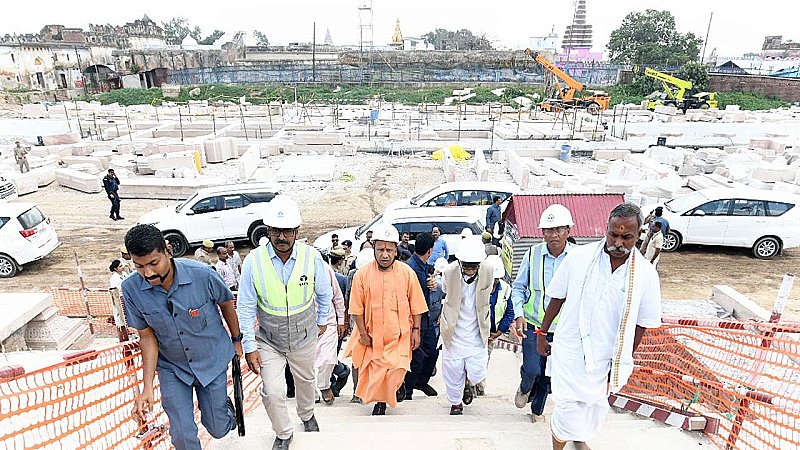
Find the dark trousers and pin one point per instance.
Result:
(114, 198)
(532, 372)
(423, 360)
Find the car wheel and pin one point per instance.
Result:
(671, 241)
(257, 233)
(8, 267)
(766, 248)
(179, 244)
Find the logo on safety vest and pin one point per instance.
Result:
(303, 280)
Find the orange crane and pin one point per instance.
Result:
(565, 96)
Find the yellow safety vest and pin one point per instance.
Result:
(278, 299)
(537, 303)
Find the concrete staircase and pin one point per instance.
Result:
(490, 422)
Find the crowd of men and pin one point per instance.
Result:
(398, 309)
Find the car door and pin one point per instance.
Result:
(204, 220)
(236, 216)
(708, 223)
(747, 222)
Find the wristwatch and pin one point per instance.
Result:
(237, 338)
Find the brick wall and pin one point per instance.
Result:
(786, 89)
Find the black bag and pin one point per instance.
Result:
(238, 394)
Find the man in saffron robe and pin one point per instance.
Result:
(386, 302)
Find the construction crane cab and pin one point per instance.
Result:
(674, 93)
(565, 96)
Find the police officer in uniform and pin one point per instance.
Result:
(530, 302)
(279, 285)
(175, 305)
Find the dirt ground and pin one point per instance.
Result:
(82, 223)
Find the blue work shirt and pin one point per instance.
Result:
(247, 300)
(520, 291)
(192, 342)
(421, 269)
(440, 250)
(493, 215)
(508, 317)
(664, 224)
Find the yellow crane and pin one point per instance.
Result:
(675, 91)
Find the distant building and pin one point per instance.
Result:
(775, 46)
(547, 43)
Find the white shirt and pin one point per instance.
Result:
(116, 281)
(226, 272)
(467, 340)
(656, 243)
(235, 261)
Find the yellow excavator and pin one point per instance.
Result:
(675, 91)
(565, 97)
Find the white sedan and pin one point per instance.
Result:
(765, 221)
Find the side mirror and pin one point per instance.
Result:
(699, 212)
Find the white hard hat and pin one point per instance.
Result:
(440, 264)
(282, 212)
(556, 215)
(364, 257)
(466, 232)
(497, 265)
(385, 232)
(471, 250)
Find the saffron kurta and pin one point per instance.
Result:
(388, 300)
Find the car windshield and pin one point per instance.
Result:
(181, 205)
(361, 230)
(415, 199)
(680, 204)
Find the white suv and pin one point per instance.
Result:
(230, 212)
(450, 221)
(26, 235)
(473, 195)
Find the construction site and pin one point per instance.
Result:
(723, 370)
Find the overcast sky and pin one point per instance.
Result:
(737, 27)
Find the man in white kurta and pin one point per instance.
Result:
(607, 295)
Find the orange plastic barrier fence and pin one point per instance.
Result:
(86, 403)
(71, 303)
(742, 376)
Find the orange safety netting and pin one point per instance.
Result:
(95, 306)
(744, 377)
(86, 402)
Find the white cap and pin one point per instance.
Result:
(466, 232)
(556, 215)
(471, 250)
(497, 265)
(385, 232)
(364, 257)
(282, 212)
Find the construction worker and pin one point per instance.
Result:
(203, 254)
(530, 301)
(21, 156)
(279, 283)
(501, 308)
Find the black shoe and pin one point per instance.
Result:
(401, 393)
(233, 412)
(112, 217)
(469, 393)
(282, 444)
(120, 218)
(341, 381)
(428, 390)
(310, 425)
(457, 410)
(409, 394)
(379, 409)
(289, 393)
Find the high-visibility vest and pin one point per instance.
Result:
(537, 303)
(278, 299)
(502, 302)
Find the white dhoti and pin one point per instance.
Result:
(326, 357)
(457, 370)
(577, 421)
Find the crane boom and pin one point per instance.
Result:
(681, 86)
(574, 85)
(566, 97)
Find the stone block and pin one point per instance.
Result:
(34, 111)
(80, 181)
(45, 175)
(686, 170)
(558, 166)
(248, 163)
(318, 138)
(307, 168)
(773, 174)
(738, 304)
(609, 155)
(101, 164)
(666, 110)
(536, 167)
(19, 309)
(518, 169)
(166, 188)
(220, 150)
(51, 331)
(481, 167)
(25, 183)
(169, 161)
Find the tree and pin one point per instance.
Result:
(210, 39)
(261, 38)
(697, 74)
(463, 39)
(176, 30)
(650, 38)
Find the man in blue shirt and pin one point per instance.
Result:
(285, 286)
(175, 305)
(530, 302)
(423, 359)
(440, 249)
(659, 211)
(493, 214)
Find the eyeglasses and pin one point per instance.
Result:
(276, 232)
(556, 230)
(470, 266)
